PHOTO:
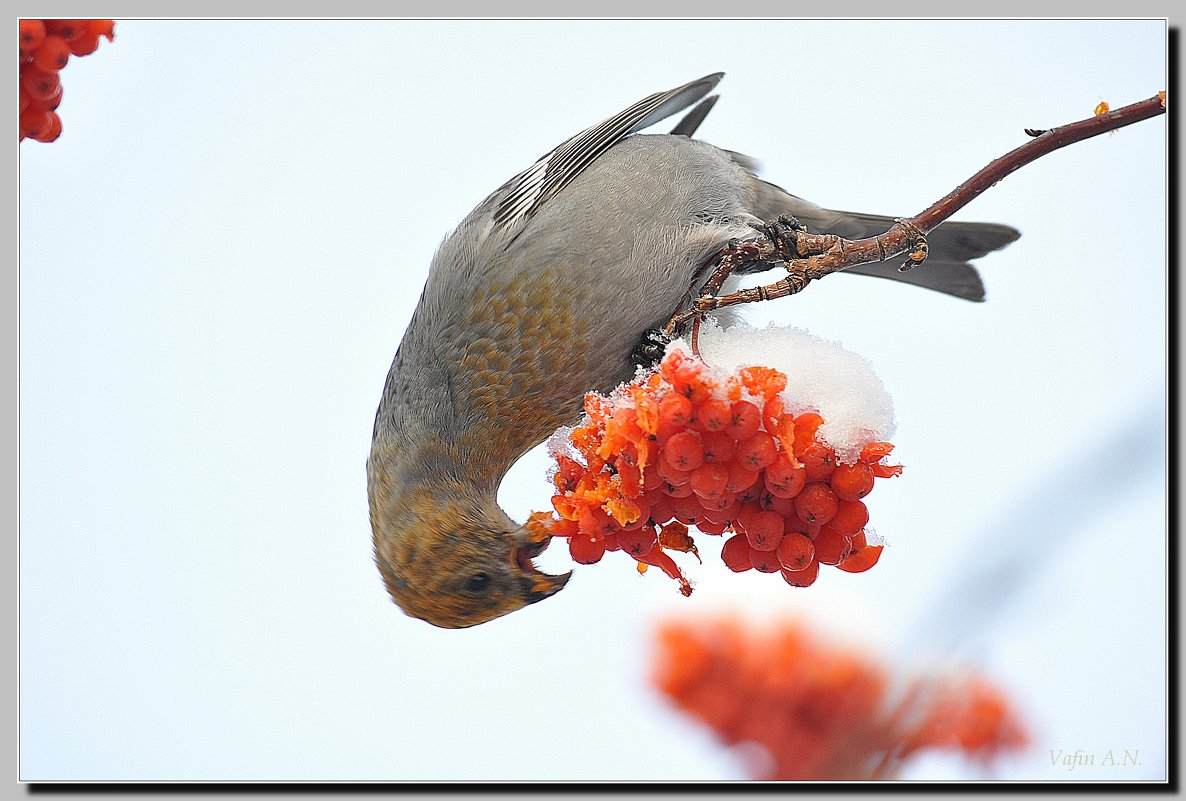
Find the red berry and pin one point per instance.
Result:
(764, 561)
(102, 27)
(819, 460)
(723, 509)
(712, 415)
(830, 546)
(55, 129)
(735, 553)
(683, 450)
(851, 482)
(711, 527)
(68, 29)
(783, 479)
(756, 452)
(32, 34)
(764, 531)
(783, 507)
(802, 578)
(740, 477)
(53, 54)
(39, 84)
(677, 490)
(744, 420)
(24, 100)
(661, 510)
(687, 509)
(638, 542)
(718, 447)
(35, 123)
(675, 409)
(851, 516)
(861, 556)
(651, 479)
(595, 522)
(84, 45)
(586, 550)
(708, 480)
(671, 474)
(795, 552)
(816, 504)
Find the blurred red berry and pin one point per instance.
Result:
(53, 54)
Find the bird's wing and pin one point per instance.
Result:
(526, 192)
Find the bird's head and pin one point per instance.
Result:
(450, 556)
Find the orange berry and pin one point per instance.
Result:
(851, 516)
(683, 451)
(830, 546)
(53, 54)
(816, 504)
(708, 480)
(819, 460)
(795, 552)
(712, 415)
(783, 479)
(744, 420)
(851, 482)
(802, 578)
(764, 531)
(862, 556)
(740, 477)
(675, 409)
(32, 34)
(735, 554)
(783, 507)
(718, 447)
(756, 452)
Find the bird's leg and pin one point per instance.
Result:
(806, 258)
(773, 245)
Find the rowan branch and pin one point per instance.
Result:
(808, 256)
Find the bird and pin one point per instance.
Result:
(542, 294)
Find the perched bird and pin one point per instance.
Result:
(541, 294)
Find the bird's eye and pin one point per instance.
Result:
(478, 582)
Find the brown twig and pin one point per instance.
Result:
(811, 256)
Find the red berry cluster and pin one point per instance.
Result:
(683, 447)
(45, 48)
(822, 711)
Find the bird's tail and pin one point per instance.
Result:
(951, 246)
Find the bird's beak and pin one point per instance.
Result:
(538, 585)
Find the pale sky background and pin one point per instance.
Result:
(219, 258)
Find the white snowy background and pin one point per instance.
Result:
(220, 255)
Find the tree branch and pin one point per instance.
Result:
(809, 256)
